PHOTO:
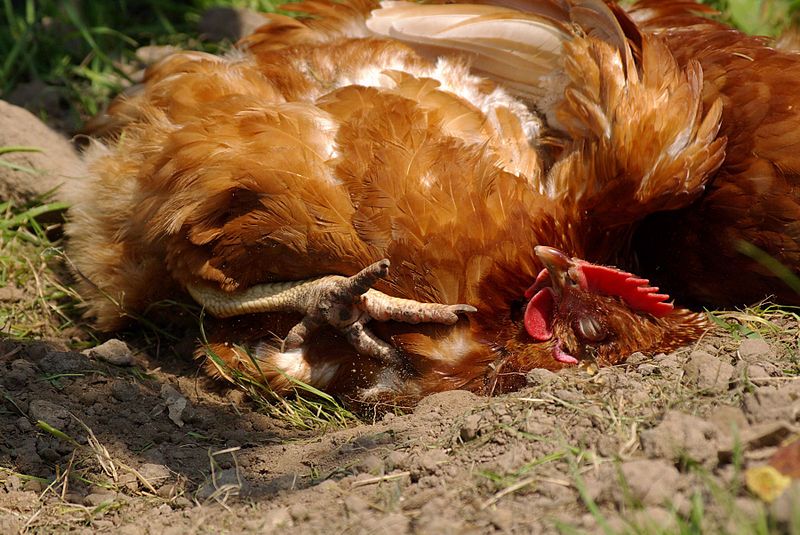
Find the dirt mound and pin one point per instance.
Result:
(27, 174)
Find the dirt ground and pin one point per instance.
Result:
(657, 445)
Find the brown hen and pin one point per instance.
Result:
(373, 220)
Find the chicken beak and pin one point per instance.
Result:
(556, 263)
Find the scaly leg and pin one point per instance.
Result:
(346, 303)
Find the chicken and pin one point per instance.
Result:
(382, 225)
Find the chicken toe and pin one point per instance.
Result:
(345, 303)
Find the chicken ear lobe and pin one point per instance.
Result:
(539, 315)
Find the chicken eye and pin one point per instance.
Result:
(570, 279)
(590, 329)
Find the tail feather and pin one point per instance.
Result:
(624, 142)
(515, 48)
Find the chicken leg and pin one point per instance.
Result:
(345, 303)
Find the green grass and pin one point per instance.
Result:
(307, 407)
(757, 17)
(36, 302)
(85, 51)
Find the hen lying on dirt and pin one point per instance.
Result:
(382, 225)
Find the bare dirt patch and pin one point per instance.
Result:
(659, 443)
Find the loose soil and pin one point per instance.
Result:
(652, 445)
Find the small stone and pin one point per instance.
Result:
(431, 459)
(94, 499)
(647, 369)
(568, 395)
(129, 481)
(397, 460)
(541, 377)
(13, 482)
(55, 415)
(113, 351)
(12, 294)
(389, 417)
(54, 167)
(773, 402)
(680, 436)
(371, 464)
(73, 497)
(181, 502)
(756, 373)
(708, 372)
(20, 373)
(637, 358)
(469, 431)
(124, 391)
(168, 491)
(24, 424)
(652, 482)
(728, 420)
(57, 362)
(49, 455)
(175, 402)
(753, 349)
(33, 485)
(236, 396)
(669, 366)
(155, 474)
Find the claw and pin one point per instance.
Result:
(365, 279)
(346, 303)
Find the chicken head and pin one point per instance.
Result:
(587, 311)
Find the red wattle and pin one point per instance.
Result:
(539, 315)
(561, 356)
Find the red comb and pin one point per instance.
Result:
(635, 291)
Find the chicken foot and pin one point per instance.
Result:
(345, 303)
